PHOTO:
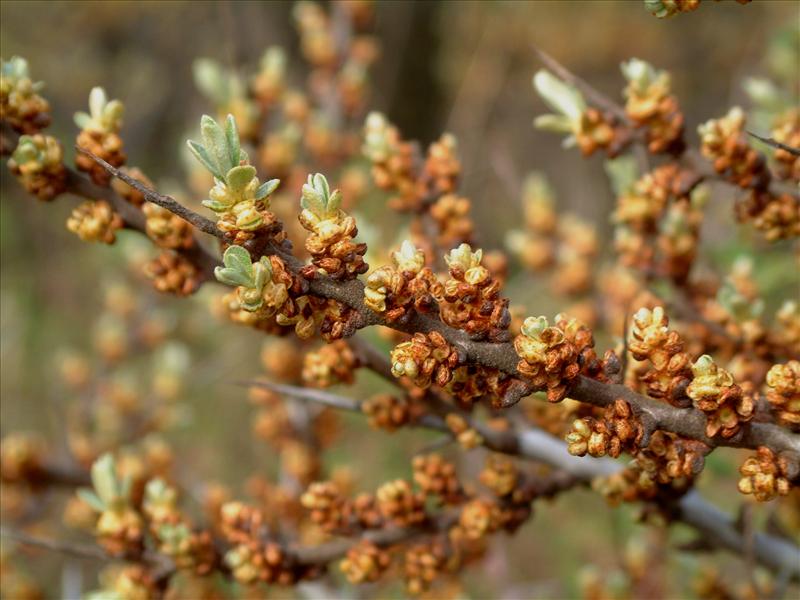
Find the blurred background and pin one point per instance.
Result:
(462, 67)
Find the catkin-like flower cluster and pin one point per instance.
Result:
(95, 221)
(767, 475)
(670, 367)
(723, 142)
(395, 289)
(617, 431)
(21, 106)
(783, 394)
(425, 359)
(329, 365)
(548, 358)
(171, 273)
(714, 391)
(331, 243)
(38, 163)
(650, 104)
(100, 135)
(470, 298)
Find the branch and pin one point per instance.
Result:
(716, 526)
(687, 422)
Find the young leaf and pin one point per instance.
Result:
(238, 269)
(97, 102)
(199, 152)
(266, 188)
(233, 140)
(215, 143)
(238, 177)
(91, 499)
(104, 478)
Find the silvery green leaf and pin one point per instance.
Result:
(233, 140)
(238, 177)
(201, 155)
(210, 79)
(104, 478)
(82, 120)
(557, 123)
(91, 499)
(321, 184)
(311, 199)
(266, 188)
(215, 143)
(622, 172)
(97, 102)
(560, 96)
(215, 205)
(334, 202)
(238, 268)
(262, 273)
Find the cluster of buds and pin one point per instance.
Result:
(478, 518)
(38, 163)
(588, 128)
(787, 322)
(617, 431)
(328, 508)
(668, 465)
(649, 104)
(470, 298)
(767, 475)
(189, 549)
(465, 435)
(100, 135)
(172, 273)
(500, 475)
(723, 142)
(365, 563)
(783, 394)
(401, 505)
(437, 477)
(679, 235)
(714, 391)
(548, 358)
(308, 314)
(423, 564)
(261, 287)
(776, 215)
(670, 367)
(535, 246)
(21, 458)
(252, 559)
(425, 359)
(451, 213)
(126, 581)
(389, 412)
(395, 289)
(270, 81)
(95, 221)
(392, 162)
(119, 529)
(787, 131)
(21, 106)
(331, 243)
(669, 8)
(442, 167)
(167, 229)
(240, 200)
(330, 364)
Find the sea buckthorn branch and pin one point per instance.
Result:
(82, 186)
(691, 157)
(502, 356)
(539, 446)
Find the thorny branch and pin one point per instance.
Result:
(687, 422)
